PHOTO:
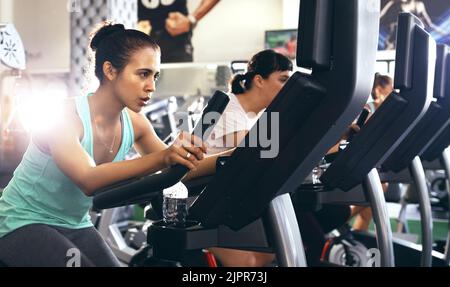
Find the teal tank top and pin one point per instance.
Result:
(40, 193)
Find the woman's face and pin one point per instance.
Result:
(135, 84)
(383, 92)
(273, 84)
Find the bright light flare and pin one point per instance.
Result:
(39, 111)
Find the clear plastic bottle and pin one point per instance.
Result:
(175, 204)
(318, 171)
(316, 174)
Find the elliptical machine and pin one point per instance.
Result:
(398, 147)
(247, 204)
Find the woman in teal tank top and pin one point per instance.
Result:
(44, 210)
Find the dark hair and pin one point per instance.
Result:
(264, 64)
(114, 43)
(380, 81)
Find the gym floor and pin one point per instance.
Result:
(440, 223)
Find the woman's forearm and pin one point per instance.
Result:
(107, 174)
(207, 166)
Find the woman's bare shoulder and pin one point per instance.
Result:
(140, 123)
(64, 117)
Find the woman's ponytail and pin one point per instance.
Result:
(236, 84)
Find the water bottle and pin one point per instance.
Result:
(318, 171)
(175, 204)
(316, 174)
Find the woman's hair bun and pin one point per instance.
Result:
(104, 32)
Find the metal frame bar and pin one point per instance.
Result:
(446, 163)
(283, 227)
(426, 218)
(374, 192)
(109, 230)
